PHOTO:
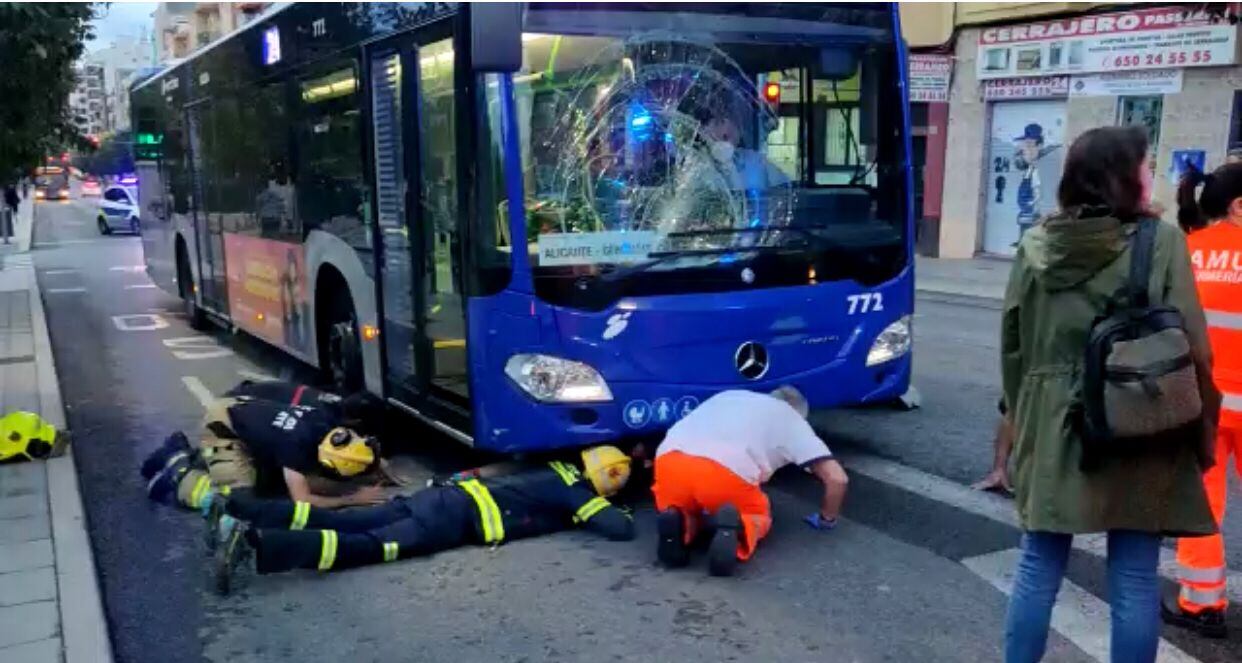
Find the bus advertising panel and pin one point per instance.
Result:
(268, 290)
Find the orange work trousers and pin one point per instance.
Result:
(696, 485)
(1201, 560)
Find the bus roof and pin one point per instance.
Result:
(175, 64)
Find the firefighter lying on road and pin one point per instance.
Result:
(285, 535)
(277, 439)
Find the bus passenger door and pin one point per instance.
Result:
(388, 122)
(207, 230)
(414, 142)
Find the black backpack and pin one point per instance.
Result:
(1140, 387)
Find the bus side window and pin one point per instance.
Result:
(331, 191)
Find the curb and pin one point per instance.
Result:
(83, 627)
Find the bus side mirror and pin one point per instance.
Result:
(496, 37)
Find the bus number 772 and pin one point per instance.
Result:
(867, 302)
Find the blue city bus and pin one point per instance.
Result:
(547, 225)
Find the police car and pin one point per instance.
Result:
(118, 210)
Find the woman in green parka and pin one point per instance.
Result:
(1066, 272)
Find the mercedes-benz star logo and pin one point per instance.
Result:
(751, 360)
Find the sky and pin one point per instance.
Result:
(121, 19)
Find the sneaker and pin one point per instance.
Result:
(671, 549)
(722, 554)
(232, 550)
(1207, 623)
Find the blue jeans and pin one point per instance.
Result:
(1133, 590)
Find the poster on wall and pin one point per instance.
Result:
(1184, 161)
(1025, 152)
(1144, 38)
(930, 76)
(1140, 83)
(268, 290)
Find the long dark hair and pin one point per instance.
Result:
(1102, 171)
(1220, 188)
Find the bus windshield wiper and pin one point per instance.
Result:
(660, 257)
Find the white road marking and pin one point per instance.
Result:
(127, 268)
(140, 286)
(139, 322)
(199, 390)
(994, 507)
(58, 291)
(57, 272)
(196, 347)
(1078, 615)
(255, 375)
(75, 241)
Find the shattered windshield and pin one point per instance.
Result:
(661, 151)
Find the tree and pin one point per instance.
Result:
(39, 43)
(115, 156)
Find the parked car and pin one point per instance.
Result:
(118, 210)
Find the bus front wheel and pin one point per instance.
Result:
(341, 356)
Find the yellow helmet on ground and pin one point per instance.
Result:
(25, 435)
(346, 452)
(607, 468)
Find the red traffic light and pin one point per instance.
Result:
(772, 91)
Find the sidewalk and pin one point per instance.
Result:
(50, 607)
(975, 278)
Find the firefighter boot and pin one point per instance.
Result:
(722, 554)
(173, 444)
(1207, 623)
(671, 549)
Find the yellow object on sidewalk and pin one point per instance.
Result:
(26, 436)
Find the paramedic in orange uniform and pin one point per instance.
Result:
(715, 460)
(1215, 226)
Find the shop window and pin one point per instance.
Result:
(1142, 112)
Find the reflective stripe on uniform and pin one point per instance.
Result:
(592, 507)
(390, 551)
(327, 550)
(301, 513)
(200, 491)
(1223, 319)
(1207, 598)
(567, 473)
(489, 513)
(1209, 576)
(1231, 401)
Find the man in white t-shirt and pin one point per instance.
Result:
(715, 461)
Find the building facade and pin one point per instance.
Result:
(184, 27)
(1028, 78)
(88, 100)
(120, 61)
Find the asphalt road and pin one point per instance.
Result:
(907, 576)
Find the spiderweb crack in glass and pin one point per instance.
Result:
(634, 149)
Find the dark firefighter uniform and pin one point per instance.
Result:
(288, 535)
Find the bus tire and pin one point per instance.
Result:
(340, 350)
(194, 315)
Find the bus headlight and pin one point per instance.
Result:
(556, 380)
(892, 343)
